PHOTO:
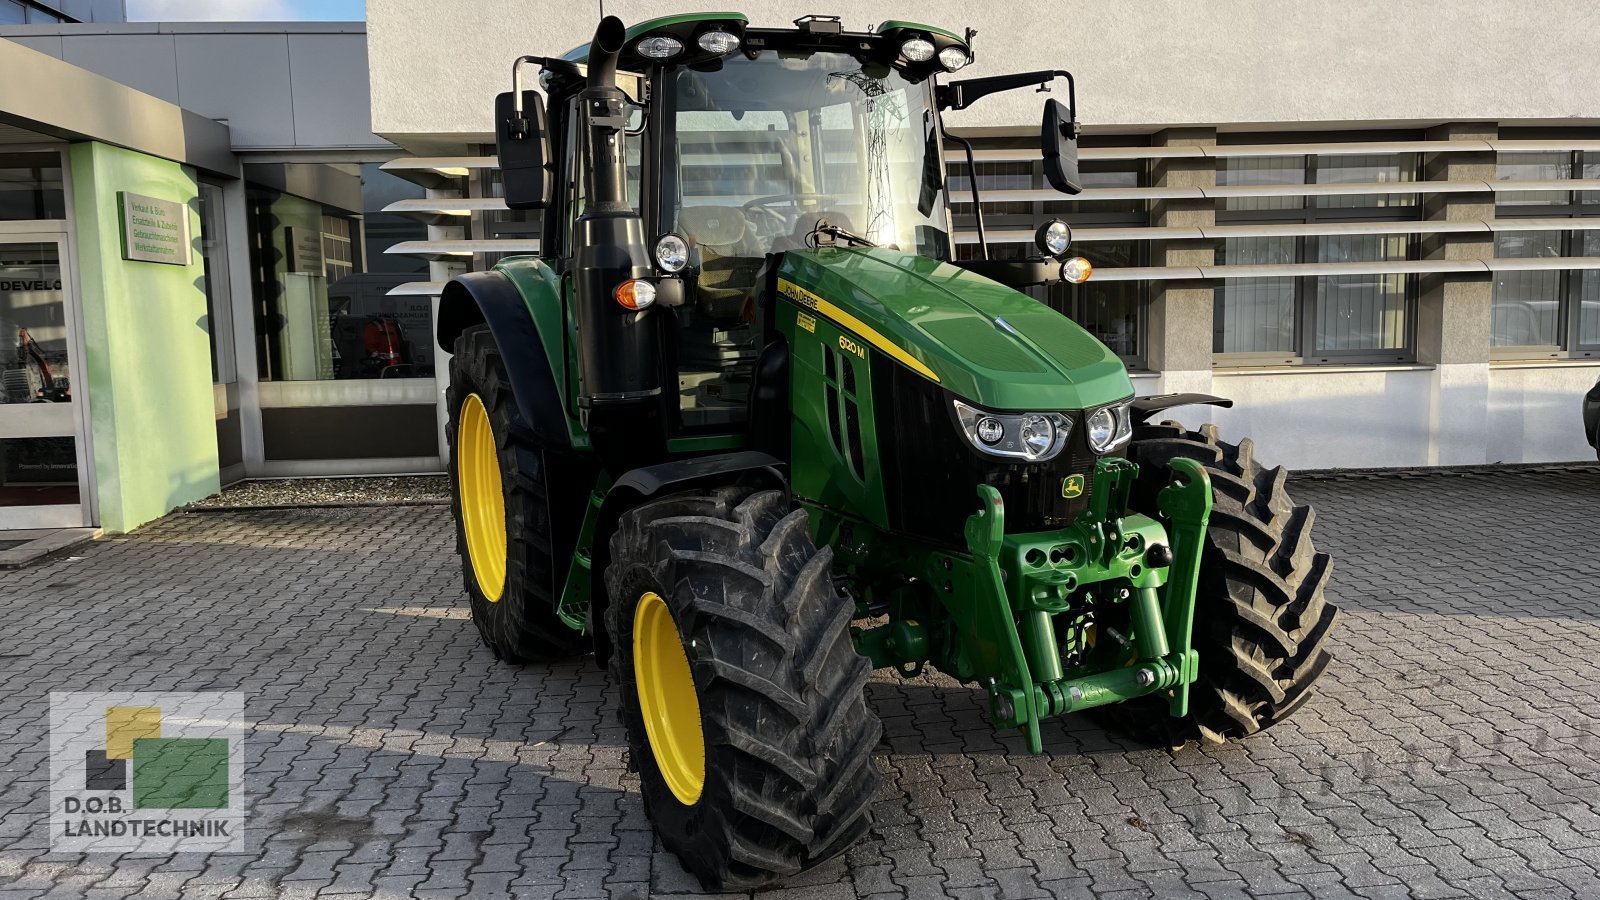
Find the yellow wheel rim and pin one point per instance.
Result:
(667, 699)
(483, 499)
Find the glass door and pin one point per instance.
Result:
(43, 461)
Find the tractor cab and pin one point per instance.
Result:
(734, 145)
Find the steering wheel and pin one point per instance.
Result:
(766, 205)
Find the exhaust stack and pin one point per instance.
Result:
(619, 349)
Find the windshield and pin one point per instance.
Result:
(767, 147)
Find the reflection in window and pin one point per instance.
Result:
(31, 186)
(321, 278)
(992, 176)
(214, 259)
(38, 471)
(34, 365)
(1533, 167)
(1545, 313)
(1289, 317)
(1527, 303)
(1372, 168)
(1261, 170)
(1109, 310)
(1360, 312)
(1589, 295)
(1256, 315)
(1101, 174)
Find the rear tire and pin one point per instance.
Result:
(785, 777)
(515, 612)
(1261, 623)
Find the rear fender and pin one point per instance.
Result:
(492, 298)
(638, 485)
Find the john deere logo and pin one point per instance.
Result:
(1072, 486)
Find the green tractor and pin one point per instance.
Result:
(748, 429)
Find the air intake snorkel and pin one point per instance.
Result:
(619, 349)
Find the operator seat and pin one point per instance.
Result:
(727, 276)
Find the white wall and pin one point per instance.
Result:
(1534, 412)
(435, 67)
(1395, 416)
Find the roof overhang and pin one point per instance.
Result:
(46, 95)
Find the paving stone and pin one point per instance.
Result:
(1452, 750)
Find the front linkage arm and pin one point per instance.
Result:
(1162, 569)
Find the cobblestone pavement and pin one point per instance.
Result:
(1453, 751)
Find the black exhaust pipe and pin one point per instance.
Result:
(619, 349)
(604, 103)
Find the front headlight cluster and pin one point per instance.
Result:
(1110, 427)
(1040, 436)
(1033, 437)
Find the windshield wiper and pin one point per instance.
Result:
(835, 233)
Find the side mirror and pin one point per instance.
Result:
(1058, 138)
(522, 139)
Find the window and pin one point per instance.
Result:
(31, 186)
(1545, 313)
(214, 260)
(993, 176)
(322, 281)
(1322, 318)
(1113, 311)
(12, 12)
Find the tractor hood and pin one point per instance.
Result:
(982, 341)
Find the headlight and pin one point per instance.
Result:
(1053, 238)
(1110, 427)
(953, 58)
(658, 47)
(1029, 437)
(917, 50)
(672, 253)
(718, 41)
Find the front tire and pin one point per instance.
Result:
(742, 693)
(500, 497)
(1261, 623)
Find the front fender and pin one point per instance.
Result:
(492, 298)
(641, 484)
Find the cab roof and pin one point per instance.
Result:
(809, 33)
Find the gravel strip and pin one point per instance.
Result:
(409, 490)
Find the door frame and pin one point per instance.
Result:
(86, 512)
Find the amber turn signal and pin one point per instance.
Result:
(635, 294)
(1076, 270)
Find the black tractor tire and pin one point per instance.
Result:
(1261, 623)
(521, 626)
(788, 778)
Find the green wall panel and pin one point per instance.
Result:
(149, 368)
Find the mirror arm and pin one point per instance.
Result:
(567, 68)
(959, 95)
(972, 179)
(518, 126)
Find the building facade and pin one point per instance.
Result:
(1384, 247)
(1371, 224)
(264, 342)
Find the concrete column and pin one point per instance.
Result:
(1179, 335)
(1453, 325)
